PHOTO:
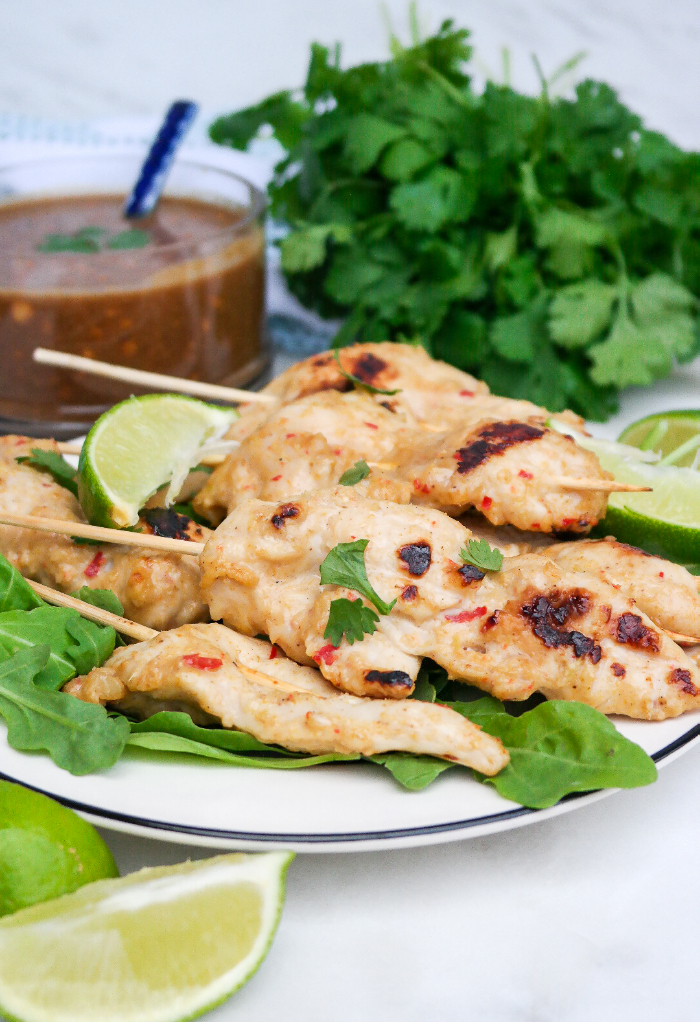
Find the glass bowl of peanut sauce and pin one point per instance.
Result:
(180, 292)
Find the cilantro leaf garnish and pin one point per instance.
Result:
(359, 471)
(361, 383)
(349, 618)
(481, 555)
(344, 565)
(56, 465)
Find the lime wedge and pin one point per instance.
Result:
(138, 446)
(666, 521)
(159, 945)
(45, 849)
(673, 435)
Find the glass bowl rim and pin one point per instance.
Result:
(257, 207)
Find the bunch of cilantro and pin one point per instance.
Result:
(549, 245)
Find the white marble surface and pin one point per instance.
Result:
(593, 915)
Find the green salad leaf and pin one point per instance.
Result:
(171, 731)
(80, 737)
(558, 748)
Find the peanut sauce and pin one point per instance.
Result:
(185, 296)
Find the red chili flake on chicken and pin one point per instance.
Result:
(567, 522)
(203, 663)
(486, 502)
(290, 435)
(275, 479)
(466, 393)
(420, 487)
(95, 565)
(466, 615)
(372, 425)
(273, 653)
(338, 451)
(525, 475)
(661, 574)
(325, 654)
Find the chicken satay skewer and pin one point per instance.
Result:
(310, 716)
(118, 536)
(157, 381)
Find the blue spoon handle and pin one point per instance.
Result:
(151, 179)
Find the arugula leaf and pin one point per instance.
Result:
(559, 748)
(75, 644)
(360, 383)
(412, 772)
(344, 565)
(173, 731)
(359, 471)
(56, 465)
(350, 618)
(15, 591)
(481, 555)
(105, 599)
(80, 737)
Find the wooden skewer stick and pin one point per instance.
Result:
(603, 485)
(140, 378)
(682, 640)
(118, 536)
(102, 617)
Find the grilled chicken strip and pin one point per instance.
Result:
(430, 390)
(195, 668)
(500, 467)
(158, 590)
(665, 592)
(531, 627)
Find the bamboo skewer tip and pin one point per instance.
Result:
(143, 378)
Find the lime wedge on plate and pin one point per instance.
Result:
(159, 945)
(673, 435)
(138, 446)
(45, 849)
(664, 522)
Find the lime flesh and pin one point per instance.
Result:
(160, 945)
(46, 850)
(673, 435)
(666, 521)
(138, 446)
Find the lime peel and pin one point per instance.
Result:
(160, 945)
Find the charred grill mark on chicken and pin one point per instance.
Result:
(286, 511)
(493, 439)
(548, 614)
(416, 557)
(682, 679)
(632, 631)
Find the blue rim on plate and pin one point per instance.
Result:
(300, 839)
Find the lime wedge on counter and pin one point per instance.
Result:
(45, 849)
(159, 945)
(673, 435)
(138, 446)
(664, 522)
